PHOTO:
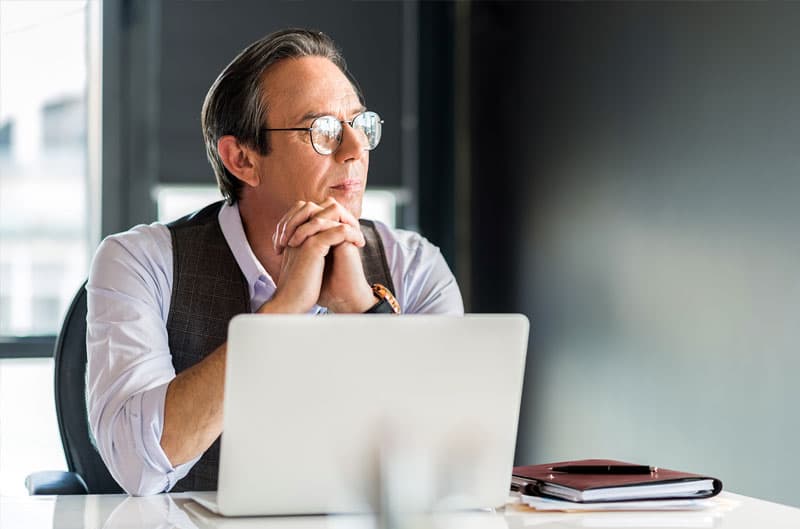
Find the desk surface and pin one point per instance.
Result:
(178, 511)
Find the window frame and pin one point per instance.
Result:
(27, 346)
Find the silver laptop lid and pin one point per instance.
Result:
(321, 413)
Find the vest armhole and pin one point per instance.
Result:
(381, 268)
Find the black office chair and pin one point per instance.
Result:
(87, 472)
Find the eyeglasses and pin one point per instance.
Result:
(326, 131)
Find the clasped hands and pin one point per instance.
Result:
(321, 263)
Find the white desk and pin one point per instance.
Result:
(177, 511)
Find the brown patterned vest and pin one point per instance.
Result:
(208, 289)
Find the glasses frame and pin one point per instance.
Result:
(342, 121)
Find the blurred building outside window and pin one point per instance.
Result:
(47, 207)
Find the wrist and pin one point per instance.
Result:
(277, 305)
(360, 303)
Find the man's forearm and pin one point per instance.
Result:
(193, 404)
(193, 409)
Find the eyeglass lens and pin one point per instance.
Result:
(326, 132)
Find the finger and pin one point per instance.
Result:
(323, 216)
(309, 229)
(279, 226)
(324, 240)
(330, 209)
(295, 217)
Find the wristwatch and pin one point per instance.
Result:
(387, 303)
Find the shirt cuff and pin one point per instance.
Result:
(152, 414)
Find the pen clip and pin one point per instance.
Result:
(524, 486)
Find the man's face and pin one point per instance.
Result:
(298, 90)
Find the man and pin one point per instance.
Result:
(288, 136)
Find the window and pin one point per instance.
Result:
(45, 209)
(43, 161)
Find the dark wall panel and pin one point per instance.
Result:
(636, 172)
(436, 119)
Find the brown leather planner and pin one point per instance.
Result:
(600, 480)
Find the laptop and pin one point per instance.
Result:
(359, 413)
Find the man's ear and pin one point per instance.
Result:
(239, 159)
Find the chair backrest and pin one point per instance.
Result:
(70, 394)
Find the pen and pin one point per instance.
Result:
(523, 485)
(605, 469)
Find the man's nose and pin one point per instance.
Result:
(353, 145)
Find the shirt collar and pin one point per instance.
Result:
(230, 221)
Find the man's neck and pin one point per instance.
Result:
(258, 228)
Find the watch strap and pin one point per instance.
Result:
(387, 303)
(381, 307)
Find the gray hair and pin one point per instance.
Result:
(236, 104)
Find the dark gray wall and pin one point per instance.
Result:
(636, 174)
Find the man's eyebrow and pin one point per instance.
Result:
(313, 115)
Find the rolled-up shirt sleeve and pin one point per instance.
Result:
(129, 363)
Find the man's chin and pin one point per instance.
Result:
(355, 209)
(352, 202)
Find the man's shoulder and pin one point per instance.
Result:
(143, 239)
(157, 236)
(136, 261)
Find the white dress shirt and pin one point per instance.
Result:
(129, 362)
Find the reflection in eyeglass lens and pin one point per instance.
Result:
(369, 123)
(326, 132)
